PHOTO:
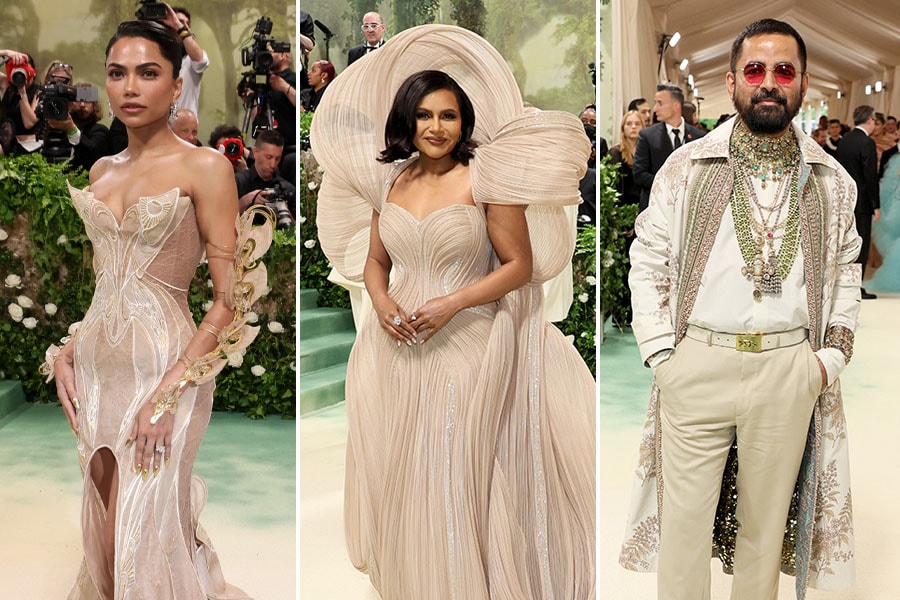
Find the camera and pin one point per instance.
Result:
(18, 75)
(232, 148)
(151, 11)
(278, 201)
(254, 84)
(258, 55)
(55, 98)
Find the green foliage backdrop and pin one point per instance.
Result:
(45, 271)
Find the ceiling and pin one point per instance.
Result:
(848, 45)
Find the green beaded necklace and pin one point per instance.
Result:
(752, 156)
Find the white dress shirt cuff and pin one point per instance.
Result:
(833, 361)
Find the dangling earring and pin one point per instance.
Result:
(172, 110)
(109, 106)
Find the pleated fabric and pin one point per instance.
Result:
(470, 459)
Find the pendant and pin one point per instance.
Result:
(763, 274)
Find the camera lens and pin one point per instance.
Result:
(18, 77)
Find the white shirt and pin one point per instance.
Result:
(191, 73)
(680, 128)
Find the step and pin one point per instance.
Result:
(321, 388)
(307, 299)
(325, 351)
(12, 397)
(322, 321)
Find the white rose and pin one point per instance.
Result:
(25, 302)
(582, 297)
(583, 334)
(301, 220)
(207, 305)
(236, 359)
(50, 309)
(15, 311)
(591, 280)
(309, 244)
(13, 281)
(61, 240)
(3, 234)
(29, 322)
(293, 365)
(251, 317)
(312, 185)
(275, 327)
(257, 370)
(209, 283)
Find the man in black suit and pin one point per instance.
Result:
(373, 29)
(657, 142)
(857, 155)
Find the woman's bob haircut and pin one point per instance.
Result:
(401, 122)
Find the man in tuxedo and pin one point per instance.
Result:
(656, 143)
(858, 156)
(373, 29)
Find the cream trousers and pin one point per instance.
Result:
(710, 395)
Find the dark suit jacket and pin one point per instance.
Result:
(653, 148)
(357, 52)
(857, 155)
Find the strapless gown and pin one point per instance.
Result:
(134, 330)
(470, 459)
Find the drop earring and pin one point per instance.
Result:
(109, 106)
(172, 110)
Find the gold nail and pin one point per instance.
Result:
(127, 442)
(167, 461)
(156, 470)
(144, 475)
(137, 469)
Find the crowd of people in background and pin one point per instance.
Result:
(318, 74)
(647, 135)
(79, 138)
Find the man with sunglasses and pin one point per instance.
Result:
(656, 142)
(745, 296)
(373, 30)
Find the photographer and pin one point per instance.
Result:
(254, 183)
(194, 62)
(18, 103)
(229, 133)
(88, 137)
(283, 98)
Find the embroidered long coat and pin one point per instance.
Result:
(689, 196)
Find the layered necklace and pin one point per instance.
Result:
(758, 227)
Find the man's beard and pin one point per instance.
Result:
(767, 119)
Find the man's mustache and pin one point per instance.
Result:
(768, 95)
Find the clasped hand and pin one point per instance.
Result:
(418, 326)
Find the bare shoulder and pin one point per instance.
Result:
(207, 161)
(100, 168)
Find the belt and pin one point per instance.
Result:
(748, 342)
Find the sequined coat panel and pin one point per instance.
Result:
(674, 240)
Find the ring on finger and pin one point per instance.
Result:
(398, 321)
(412, 318)
(75, 402)
(160, 449)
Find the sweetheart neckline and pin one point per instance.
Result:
(432, 213)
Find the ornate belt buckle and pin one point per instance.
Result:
(748, 342)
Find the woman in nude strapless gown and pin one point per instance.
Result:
(135, 379)
(470, 458)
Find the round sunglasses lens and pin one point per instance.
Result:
(754, 73)
(784, 74)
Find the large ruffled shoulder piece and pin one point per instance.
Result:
(535, 159)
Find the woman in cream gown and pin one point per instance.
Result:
(135, 378)
(470, 459)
